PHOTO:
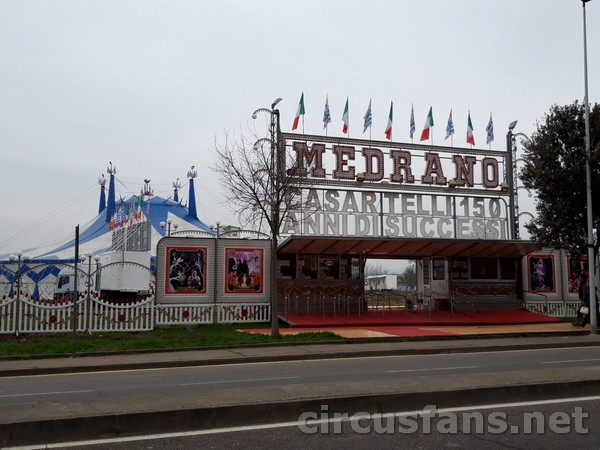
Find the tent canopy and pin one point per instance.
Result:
(414, 248)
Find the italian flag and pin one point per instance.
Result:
(299, 112)
(470, 137)
(140, 205)
(428, 125)
(345, 118)
(388, 130)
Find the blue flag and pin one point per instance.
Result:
(450, 126)
(490, 130)
(326, 113)
(368, 117)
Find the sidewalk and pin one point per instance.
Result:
(419, 340)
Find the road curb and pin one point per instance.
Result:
(171, 421)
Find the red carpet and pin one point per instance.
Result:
(416, 318)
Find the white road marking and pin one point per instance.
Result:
(31, 394)
(433, 369)
(238, 381)
(570, 361)
(496, 406)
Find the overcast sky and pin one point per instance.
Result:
(150, 85)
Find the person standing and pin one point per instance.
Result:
(584, 303)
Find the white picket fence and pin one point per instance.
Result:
(184, 314)
(553, 308)
(27, 306)
(105, 316)
(239, 313)
(96, 315)
(48, 317)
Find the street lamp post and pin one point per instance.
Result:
(168, 225)
(588, 182)
(21, 258)
(511, 148)
(510, 173)
(217, 228)
(89, 283)
(275, 173)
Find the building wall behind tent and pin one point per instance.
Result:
(230, 270)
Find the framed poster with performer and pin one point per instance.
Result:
(244, 270)
(541, 273)
(186, 270)
(578, 268)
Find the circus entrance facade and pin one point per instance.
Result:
(326, 275)
(448, 208)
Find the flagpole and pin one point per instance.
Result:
(303, 112)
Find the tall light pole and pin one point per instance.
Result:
(275, 173)
(21, 258)
(89, 257)
(512, 143)
(509, 174)
(217, 228)
(588, 182)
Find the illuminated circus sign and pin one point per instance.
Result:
(350, 187)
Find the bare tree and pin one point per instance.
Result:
(257, 185)
(409, 276)
(375, 269)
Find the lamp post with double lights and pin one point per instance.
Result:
(20, 258)
(511, 148)
(588, 183)
(89, 283)
(275, 194)
(217, 228)
(168, 225)
(510, 174)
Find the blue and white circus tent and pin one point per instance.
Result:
(118, 216)
(117, 222)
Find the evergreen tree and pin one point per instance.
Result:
(554, 166)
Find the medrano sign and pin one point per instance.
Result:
(350, 187)
(397, 164)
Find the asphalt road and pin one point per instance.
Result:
(550, 425)
(26, 391)
(195, 393)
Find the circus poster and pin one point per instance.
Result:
(186, 271)
(540, 269)
(578, 265)
(244, 270)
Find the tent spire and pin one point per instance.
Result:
(110, 206)
(192, 207)
(176, 187)
(147, 189)
(102, 183)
